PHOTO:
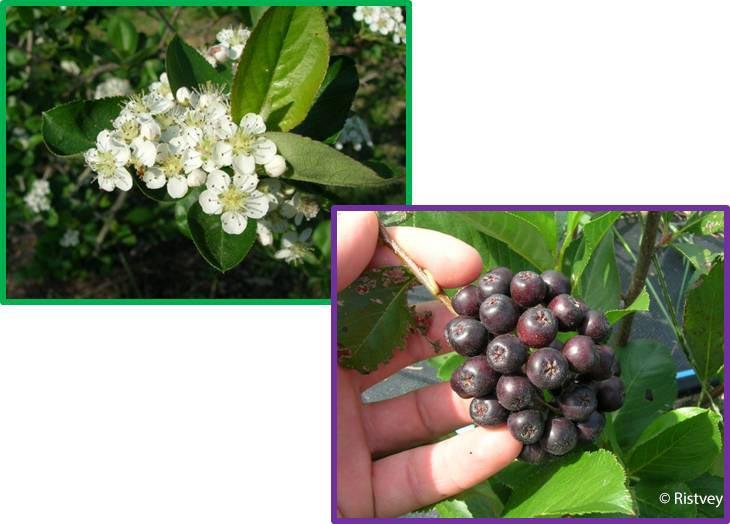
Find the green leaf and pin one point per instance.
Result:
(373, 318)
(579, 484)
(679, 445)
(282, 66)
(700, 257)
(218, 248)
(478, 502)
(449, 365)
(640, 304)
(546, 223)
(593, 233)
(333, 101)
(71, 129)
(708, 486)
(187, 68)
(648, 371)
(600, 285)
(318, 163)
(257, 11)
(123, 36)
(494, 252)
(16, 57)
(647, 499)
(712, 223)
(703, 322)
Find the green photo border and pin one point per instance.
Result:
(406, 4)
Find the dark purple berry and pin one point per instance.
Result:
(467, 336)
(557, 284)
(487, 411)
(537, 327)
(610, 394)
(506, 354)
(499, 314)
(547, 368)
(466, 301)
(527, 289)
(533, 454)
(595, 325)
(515, 392)
(577, 403)
(526, 426)
(560, 436)
(606, 365)
(581, 354)
(591, 428)
(567, 311)
(474, 378)
(495, 282)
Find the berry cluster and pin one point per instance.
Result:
(551, 395)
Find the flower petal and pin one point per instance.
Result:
(244, 164)
(252, 123)
(245, 183)
(276, 166)
(264, 150)
(177, 186)
(257, 205)
(218, 181)
(234, 223)
(222, 154)
(196, 178)
(106, 182)
(122, 179)
(154, 178)
(210, 203)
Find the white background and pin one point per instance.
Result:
(221, 414)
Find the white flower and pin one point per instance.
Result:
(299, 207)
(234, 39)
(276, 167)
(162, 88)
(264, 233)
(249, 147)
(108, 161)
(366, 13)
(217, 54)
(214, 153)
(38, 198)
(383, 20)
(235, 200)
(113, 87)
(294, 248)
(177, 169)
(70, 67)
(70, 238)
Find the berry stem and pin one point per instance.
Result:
(422, 275)
(550, 407)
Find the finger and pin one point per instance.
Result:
(452, 263)
(357, 236)
(421, 476)
(414, 418)
(417, 347)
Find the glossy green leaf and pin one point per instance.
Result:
(449, 365)
(700, 257)
(317, 163)
(478, 502)
(650, 505)
(333, 101)
(545, 222)
(218, 248)
(123, 36)
(640, 304)
(709, 488)
(494, 252)
(679, 446)
(600, 285)
(647, 370)
(257, 11)
(282, 66)
(703, 322)
(373, 318)
(712, 223)
(579, 484)
(593, 233)
(187, 68)
(71, 129)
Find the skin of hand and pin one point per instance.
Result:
(385, 467)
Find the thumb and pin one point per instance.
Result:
(357, 238)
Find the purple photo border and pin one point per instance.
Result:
(333, 311)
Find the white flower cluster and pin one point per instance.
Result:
(38, 199)
(355, 132)
(70, 67)
(231, 42)
(113, 87)
(70, 238)
(383, 20)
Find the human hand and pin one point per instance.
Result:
(384, 469)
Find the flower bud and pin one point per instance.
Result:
(276, 167)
